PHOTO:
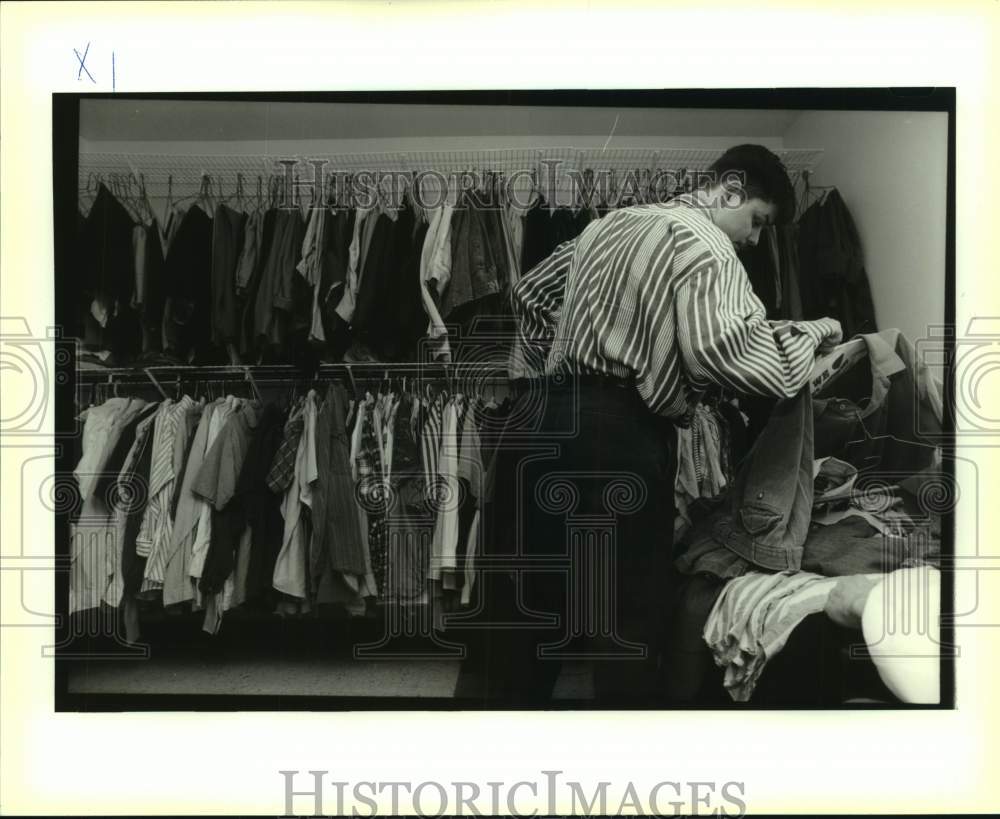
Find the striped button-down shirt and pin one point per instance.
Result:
(162, 476)
(656, 294)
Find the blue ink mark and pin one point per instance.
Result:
(82, 60)
(112, 71)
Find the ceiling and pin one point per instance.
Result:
(123, 120)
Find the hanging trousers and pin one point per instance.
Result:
(583, 511)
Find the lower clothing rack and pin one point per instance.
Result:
(382, 614)
(457, 376)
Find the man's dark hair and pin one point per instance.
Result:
(763, 174)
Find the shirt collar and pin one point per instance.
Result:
(692, 201)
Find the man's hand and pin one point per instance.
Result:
(847, 600)
(834, 336)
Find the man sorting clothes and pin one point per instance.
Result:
(627, 325)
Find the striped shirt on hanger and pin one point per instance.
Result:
(656, 294)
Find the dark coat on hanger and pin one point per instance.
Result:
(107, 279)
(833, 280)
(544, 231)
(187, 272)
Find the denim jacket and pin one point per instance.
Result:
(764, 521)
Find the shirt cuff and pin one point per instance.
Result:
(816, 330)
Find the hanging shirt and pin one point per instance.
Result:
(252, 237)
(216, 484)
(656, 293)
(345, 309)
(444, 545)
(391, 404)
(163, 474)
(131, 495)
(159, 474)
(92, 536)
(471, 550)
(98, 425)
(336, 535)
(359, 420)
(512, 223)
(470, 465)
(203, 538)
(430, 443)
(368, 481)
(139, 248)
(290, 569)
(435, 274)
(112, 583)
(310, 268)
(177, 586)
(521, 199)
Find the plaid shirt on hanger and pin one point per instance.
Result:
(283, 468)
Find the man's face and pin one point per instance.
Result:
(742, 223)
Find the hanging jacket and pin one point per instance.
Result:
(227, 244)
(187, 277)
(107, 280)
(335, 258)
(833, 281)
(388, 315)
(545, 230)
(474, 259)
(759, 261)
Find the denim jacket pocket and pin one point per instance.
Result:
(759, 519)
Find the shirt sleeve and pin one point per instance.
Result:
(206, 482)
(725, 338)
(536, 301)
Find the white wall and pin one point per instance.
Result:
(891, 169)
(255, 145)
(350, 126)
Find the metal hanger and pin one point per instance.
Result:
(810, 193)
(156, 383)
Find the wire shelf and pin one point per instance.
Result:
(178, 176)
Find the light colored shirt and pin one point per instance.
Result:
(203, 538)
(435, 266)
(444, 545)
(753, 618)
(158, 522)
(177, 586)
(289, 575)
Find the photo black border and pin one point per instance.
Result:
(65, 155)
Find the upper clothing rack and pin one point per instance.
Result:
(183, 174)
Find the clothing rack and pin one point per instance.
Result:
(175, 176)
(455, 376)
(165, 378)
(289, 372)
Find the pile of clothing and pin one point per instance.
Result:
(842, 482)
(706, 451)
